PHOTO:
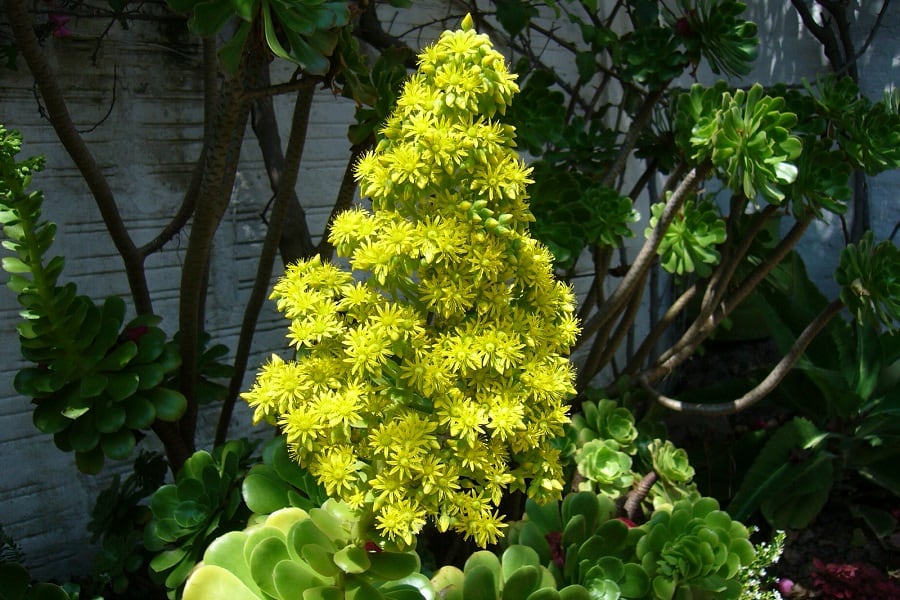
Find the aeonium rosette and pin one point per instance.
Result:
(432, 377)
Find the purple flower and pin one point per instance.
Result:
(58, 24)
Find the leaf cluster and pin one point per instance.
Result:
(204, 502)
(98, 381)
(304, 33)
(316, 555)
(517, 574)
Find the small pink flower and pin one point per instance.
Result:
(785, 586)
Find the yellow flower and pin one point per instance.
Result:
(401, 521)
(336, 469)
(350, 228)
(431, 375)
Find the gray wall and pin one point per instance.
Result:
(146, 149)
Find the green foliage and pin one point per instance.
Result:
(688, 245)
(790, 479)
(315, 555)
(612, 457)
(15, 584)
(516, 575)
(688, 548)
(694, 550)
(280, 482)
(846, 392)
(118, 520)
(98, 381)
(304, 33)
(651, 57)
(671, 464)
(713, 29)
(869, 276)
(605, 467)
(204, 502)
(746, 136)
(868, 134)
(572, 214)
(605, 420)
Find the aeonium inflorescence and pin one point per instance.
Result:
(431, 378)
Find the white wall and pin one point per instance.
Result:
(146, 148)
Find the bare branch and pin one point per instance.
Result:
(766, 386)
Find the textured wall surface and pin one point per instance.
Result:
(147, 78)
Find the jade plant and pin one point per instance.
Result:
(315, 555)
(431, 376)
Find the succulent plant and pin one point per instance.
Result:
(670, 463)
(713, 28)
(869, 274)
(581, 541)
(605, 468)
(604, 420)
(688, 245)
(319, 554)
(745, 134)
(204, 502)
(279, 482)
(517, 575)
(694, 551)
(97, 380)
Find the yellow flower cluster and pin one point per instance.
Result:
(433, 377)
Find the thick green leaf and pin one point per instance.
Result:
(264, 559)
(48, 417)
(118, 445)
(108, 416)
(328, 592)
(15, 580)
(83, 434)
(264, 492)
(575, 592)
(210, 581)
(92, 384)
(481, 583)
(139, 412)
(770, 473)
(389, 566)
(352, 559)
(521, 582)
(169, 404)
(47, 591)
(168, 559)
(118, 358)
(90, 462)
(320, 560)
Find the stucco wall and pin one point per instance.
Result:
(146, 149)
